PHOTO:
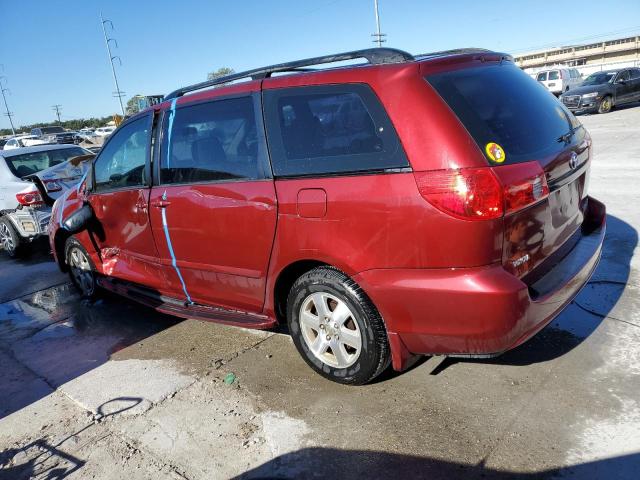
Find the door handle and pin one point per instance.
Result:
(160, 204)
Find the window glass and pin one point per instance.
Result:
(635, 73)
(212, 141)
(624, 75)
(330, 129)
(554, 75)
(121, 162)
(542, 76)
(29, 163)
(500, 103)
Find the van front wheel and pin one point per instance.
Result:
(336, 328)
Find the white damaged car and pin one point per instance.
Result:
(31, 179)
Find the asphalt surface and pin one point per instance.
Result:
(115, 390)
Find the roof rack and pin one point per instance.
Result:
(375, 56)
(459, 51)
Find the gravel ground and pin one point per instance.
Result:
(114, 390)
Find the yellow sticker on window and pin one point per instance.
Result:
(495, 152)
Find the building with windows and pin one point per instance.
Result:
(617, 53)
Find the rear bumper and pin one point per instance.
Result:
(30, 223)
(481, 311)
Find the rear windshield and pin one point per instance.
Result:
(29, 163)
(501, 104)
(47, 130)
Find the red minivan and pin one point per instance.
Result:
(399, 207)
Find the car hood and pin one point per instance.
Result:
(581, 90)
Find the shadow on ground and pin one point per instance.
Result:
(329, 462)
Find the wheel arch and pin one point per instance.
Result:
(59, 243)
(285, 280)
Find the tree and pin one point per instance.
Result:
(132, 105)
(221, 72)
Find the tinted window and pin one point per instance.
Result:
(599, 78)
(554, 75)
(212, 141)
(542, 76)
(624, 75)
(330, 129)
(501, 104)
(121, 162)
(28, 163)
(634, 73)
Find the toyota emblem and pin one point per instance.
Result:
(573, 161)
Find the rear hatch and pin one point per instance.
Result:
(536, 148)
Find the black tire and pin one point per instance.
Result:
(606, 104)
(84, 279)
(10, 241)
(374, 354)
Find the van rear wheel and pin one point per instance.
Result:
(336, 328)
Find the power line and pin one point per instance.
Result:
(6, 106)
(56, 108)
(118, 93)
(378, 37)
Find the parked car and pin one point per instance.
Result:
(3, 141)
(383, 211)
(601, 91)
(104, 131)
(24, 207)
(21, 141)
(53, 134)
(559, 80)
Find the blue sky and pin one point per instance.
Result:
(53, 51)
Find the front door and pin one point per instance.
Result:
(624, 88)
(214, 209)
(120, 197)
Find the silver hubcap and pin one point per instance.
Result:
(81, 270)
(5, 238)
(330, 330)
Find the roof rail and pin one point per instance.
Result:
(375, 56)
(459, 51)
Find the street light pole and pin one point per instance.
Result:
(118, 93)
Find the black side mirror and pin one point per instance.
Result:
(78, 220)
(621, 81)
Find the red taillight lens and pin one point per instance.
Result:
(29, 198)
(467, 193)
(525, 184)
(484, 193)
(52, 186)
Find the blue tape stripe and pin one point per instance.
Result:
(81, 180)
(173, 257)
(172, 113)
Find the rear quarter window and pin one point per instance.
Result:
(502, 104)
(330, 129)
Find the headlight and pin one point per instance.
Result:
(590, 95)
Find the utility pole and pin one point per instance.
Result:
(56, 108)
(8, 114)
(378, 37)
(118, 93)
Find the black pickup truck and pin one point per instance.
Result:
(54, 134)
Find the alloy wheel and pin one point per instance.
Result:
(6, 239)
(81, 271)
(330, 330)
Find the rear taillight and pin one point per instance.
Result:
(52, 186)
(524, 185)
(467, 193)
(29, 198)
(484, 193)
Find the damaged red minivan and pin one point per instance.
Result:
(399, 207)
